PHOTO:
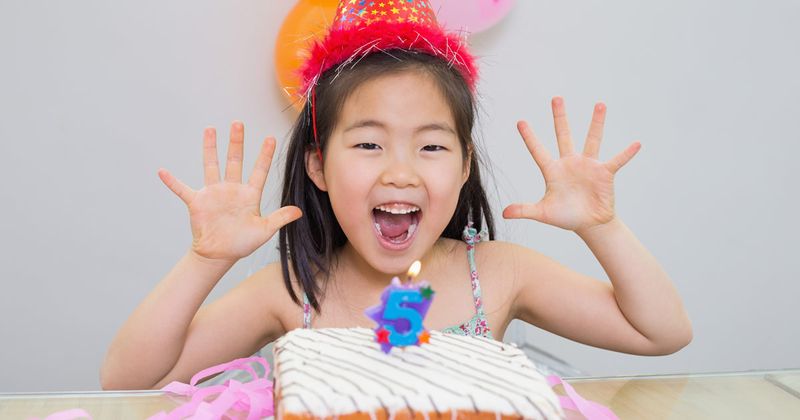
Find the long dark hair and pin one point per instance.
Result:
(309, 243)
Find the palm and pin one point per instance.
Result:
(225, 216)
(579, 189)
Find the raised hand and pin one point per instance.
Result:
(225, 216)
(579, 188)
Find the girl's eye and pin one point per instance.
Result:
(433, 148)
(367, 146)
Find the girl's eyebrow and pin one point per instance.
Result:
(427, 127)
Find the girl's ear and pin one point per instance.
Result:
(314, 170)
(467, 166)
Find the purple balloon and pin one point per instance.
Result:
(470, 15)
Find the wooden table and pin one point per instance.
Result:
(740, 395)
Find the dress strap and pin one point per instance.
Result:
(472, 237)
(306, 312)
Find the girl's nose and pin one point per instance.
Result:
(400, 173)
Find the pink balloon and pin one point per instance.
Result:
(470, 15)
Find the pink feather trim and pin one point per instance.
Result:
(344, 45)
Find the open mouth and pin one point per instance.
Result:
(396, 225)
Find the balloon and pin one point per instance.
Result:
(307, 21)
(470, 15)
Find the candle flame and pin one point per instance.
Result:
(413, 271)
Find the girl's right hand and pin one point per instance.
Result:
(225, 216)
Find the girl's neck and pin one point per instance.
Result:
(356, 271)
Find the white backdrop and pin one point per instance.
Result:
(95, 96)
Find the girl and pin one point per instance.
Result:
(381, 171)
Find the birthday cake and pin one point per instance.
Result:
(343, 373)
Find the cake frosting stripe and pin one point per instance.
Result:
(365, 373)
(444, 358)
(327, 382)
(356, 406)
(494, 392)
(387, 362)
(328, 373)
(337, 341)
(457, 344)
(456, 347)
(430, 370)
(325, 367)
(360, 350)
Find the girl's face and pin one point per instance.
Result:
(393, 170)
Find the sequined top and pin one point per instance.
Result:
(477, 325)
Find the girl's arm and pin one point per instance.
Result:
(642, 289)
(640, 311)
(150, 342)
(167, 338)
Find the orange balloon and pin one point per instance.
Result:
(309, 20)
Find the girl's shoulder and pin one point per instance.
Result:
(491, 256)
(518, 265)
(508, 267)
(499, 274)
(535, 281)
(502, 255)
(499, 256)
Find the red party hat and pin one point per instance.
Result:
(362, 27)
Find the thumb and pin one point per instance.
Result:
(280, 218)
(180, 189)
(524, 211)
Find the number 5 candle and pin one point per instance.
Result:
(402, 309)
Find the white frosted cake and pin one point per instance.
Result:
(342, 373)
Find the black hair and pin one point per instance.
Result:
(309, 243)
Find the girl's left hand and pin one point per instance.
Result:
(579, 191)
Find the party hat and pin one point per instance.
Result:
(362, 27)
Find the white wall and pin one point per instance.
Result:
(95, 96)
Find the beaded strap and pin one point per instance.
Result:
(472, 238)
(306, 312)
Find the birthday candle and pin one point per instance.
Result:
(402, 309)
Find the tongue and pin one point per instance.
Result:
(393, 225)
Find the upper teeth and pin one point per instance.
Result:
(398, 210)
